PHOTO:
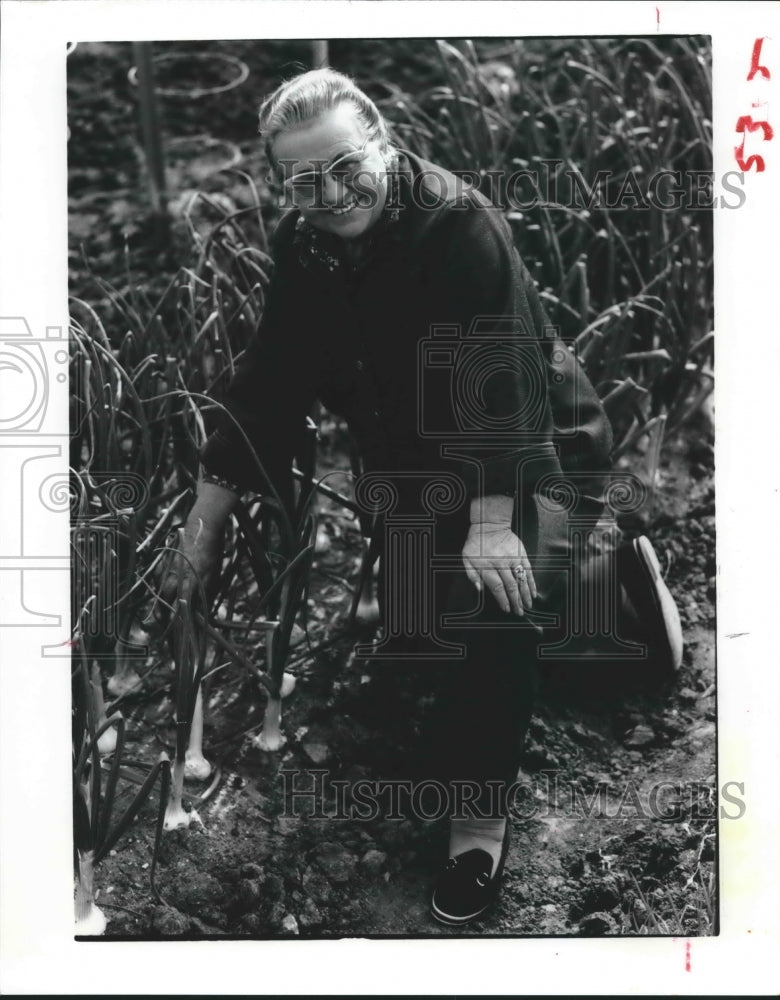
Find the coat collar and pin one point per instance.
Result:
(325, 252)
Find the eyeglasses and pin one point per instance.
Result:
(307, 186)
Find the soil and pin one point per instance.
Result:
(594, 849)
(614, 827)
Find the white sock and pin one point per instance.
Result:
(486, 834)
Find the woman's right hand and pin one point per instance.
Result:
(197, 561)
(198, 557)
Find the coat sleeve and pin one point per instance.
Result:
(272, 391)
(498, 391)
(582, 430)
(528, 407)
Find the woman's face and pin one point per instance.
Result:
(335, 177)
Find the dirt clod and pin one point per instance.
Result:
(197, 891)
(373, 862)
(273, 887)
(601, 894)
(597, 925)
(251, 871)
(247, 892)
(317, 886)
(337, 863)
(310, 916)
(168, 921)
(640, 736)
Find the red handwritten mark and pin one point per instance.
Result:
(68, 642)
(687, 956)
(745, 122)
(657, 19)
(755, 66)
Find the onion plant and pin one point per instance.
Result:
(189, 646)
(94, 802)
(364, 613)
(281, 548)
(108, 726)
(140, 417)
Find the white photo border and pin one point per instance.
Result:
(39, 954)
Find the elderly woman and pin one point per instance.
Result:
(399, 301)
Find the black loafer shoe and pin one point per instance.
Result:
(465, 889)
(640, 574)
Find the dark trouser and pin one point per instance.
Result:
(483, 703)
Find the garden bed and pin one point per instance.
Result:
(253, 868)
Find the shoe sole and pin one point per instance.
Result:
(446, 918)
(666, 630)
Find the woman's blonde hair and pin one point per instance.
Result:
(308, 95)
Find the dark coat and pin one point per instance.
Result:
(437, 340)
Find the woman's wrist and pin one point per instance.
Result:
(495, 510)
(213, 505)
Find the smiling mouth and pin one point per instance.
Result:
(345, 210)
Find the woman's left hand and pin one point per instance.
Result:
(495, 557)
